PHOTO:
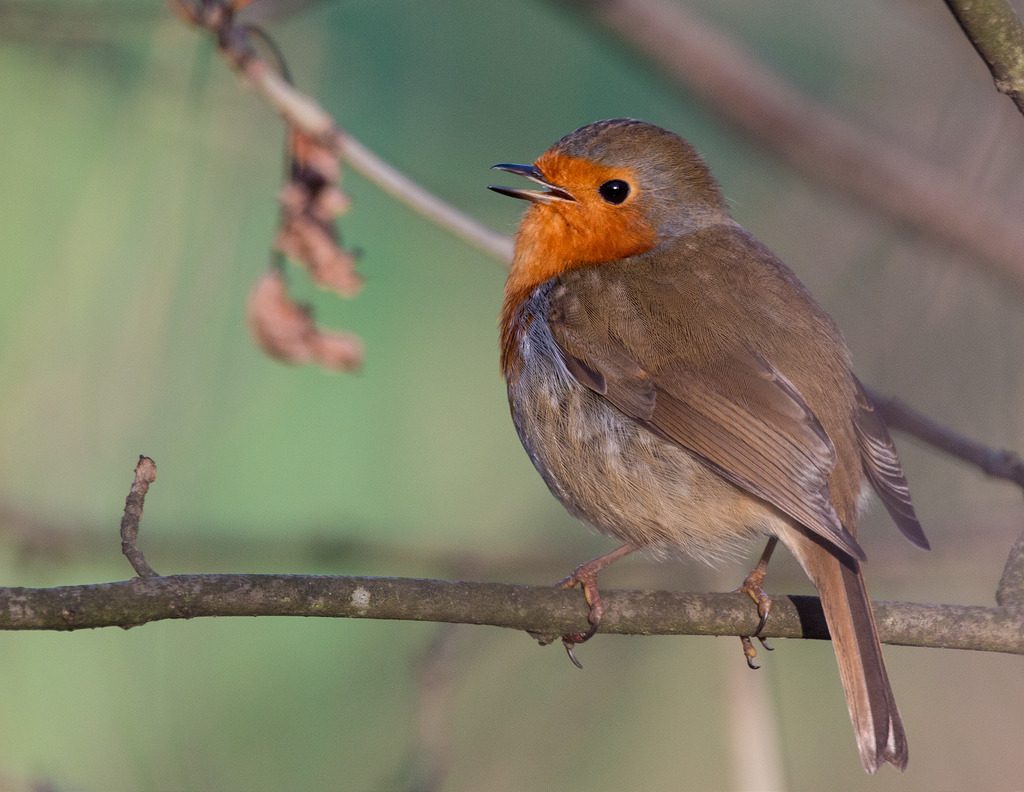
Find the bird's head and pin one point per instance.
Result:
(609, 190)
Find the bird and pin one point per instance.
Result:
(678, 389)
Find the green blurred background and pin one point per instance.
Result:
(138, 202)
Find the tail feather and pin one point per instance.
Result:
(851, 623)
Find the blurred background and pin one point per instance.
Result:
(138, 203)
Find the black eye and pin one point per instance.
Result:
(615, 191)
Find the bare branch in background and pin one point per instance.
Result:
(996, 32)
(406, 191)
(304, 113)
(813, 138)
(312, 200)
(330, 544)
(994, 462)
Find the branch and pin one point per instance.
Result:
(997, 34)
(997, 463)
(539, 609)
(422, 201)
(812, 138)
(311, 200)
(305, 113)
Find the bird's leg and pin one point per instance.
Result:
(585, 576)
(753, 588)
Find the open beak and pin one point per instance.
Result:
(550, 194)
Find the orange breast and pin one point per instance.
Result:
(559, 236)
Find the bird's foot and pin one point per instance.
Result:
(753, 587)
(585, 576)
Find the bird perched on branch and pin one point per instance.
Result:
(679, 389)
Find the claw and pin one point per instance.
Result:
(749, 652)
(569, 645)
(571, 640)
(760, 598)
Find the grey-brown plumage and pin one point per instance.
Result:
(678, 388)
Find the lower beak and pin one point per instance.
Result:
(550, 194)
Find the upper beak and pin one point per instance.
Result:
(550, 193)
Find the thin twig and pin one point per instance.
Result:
(813, 138)
(145, 474)
(997, 34)
(994, 462)
(422, 201)
(541, 609)
(306, 114)
(997, 463)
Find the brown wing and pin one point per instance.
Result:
(741, 416)
(883, 468)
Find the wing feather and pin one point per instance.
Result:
(883, 469)
(741, 416)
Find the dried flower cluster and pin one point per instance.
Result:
(286, 331)
(311, 202)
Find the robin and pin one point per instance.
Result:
(679, 389)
